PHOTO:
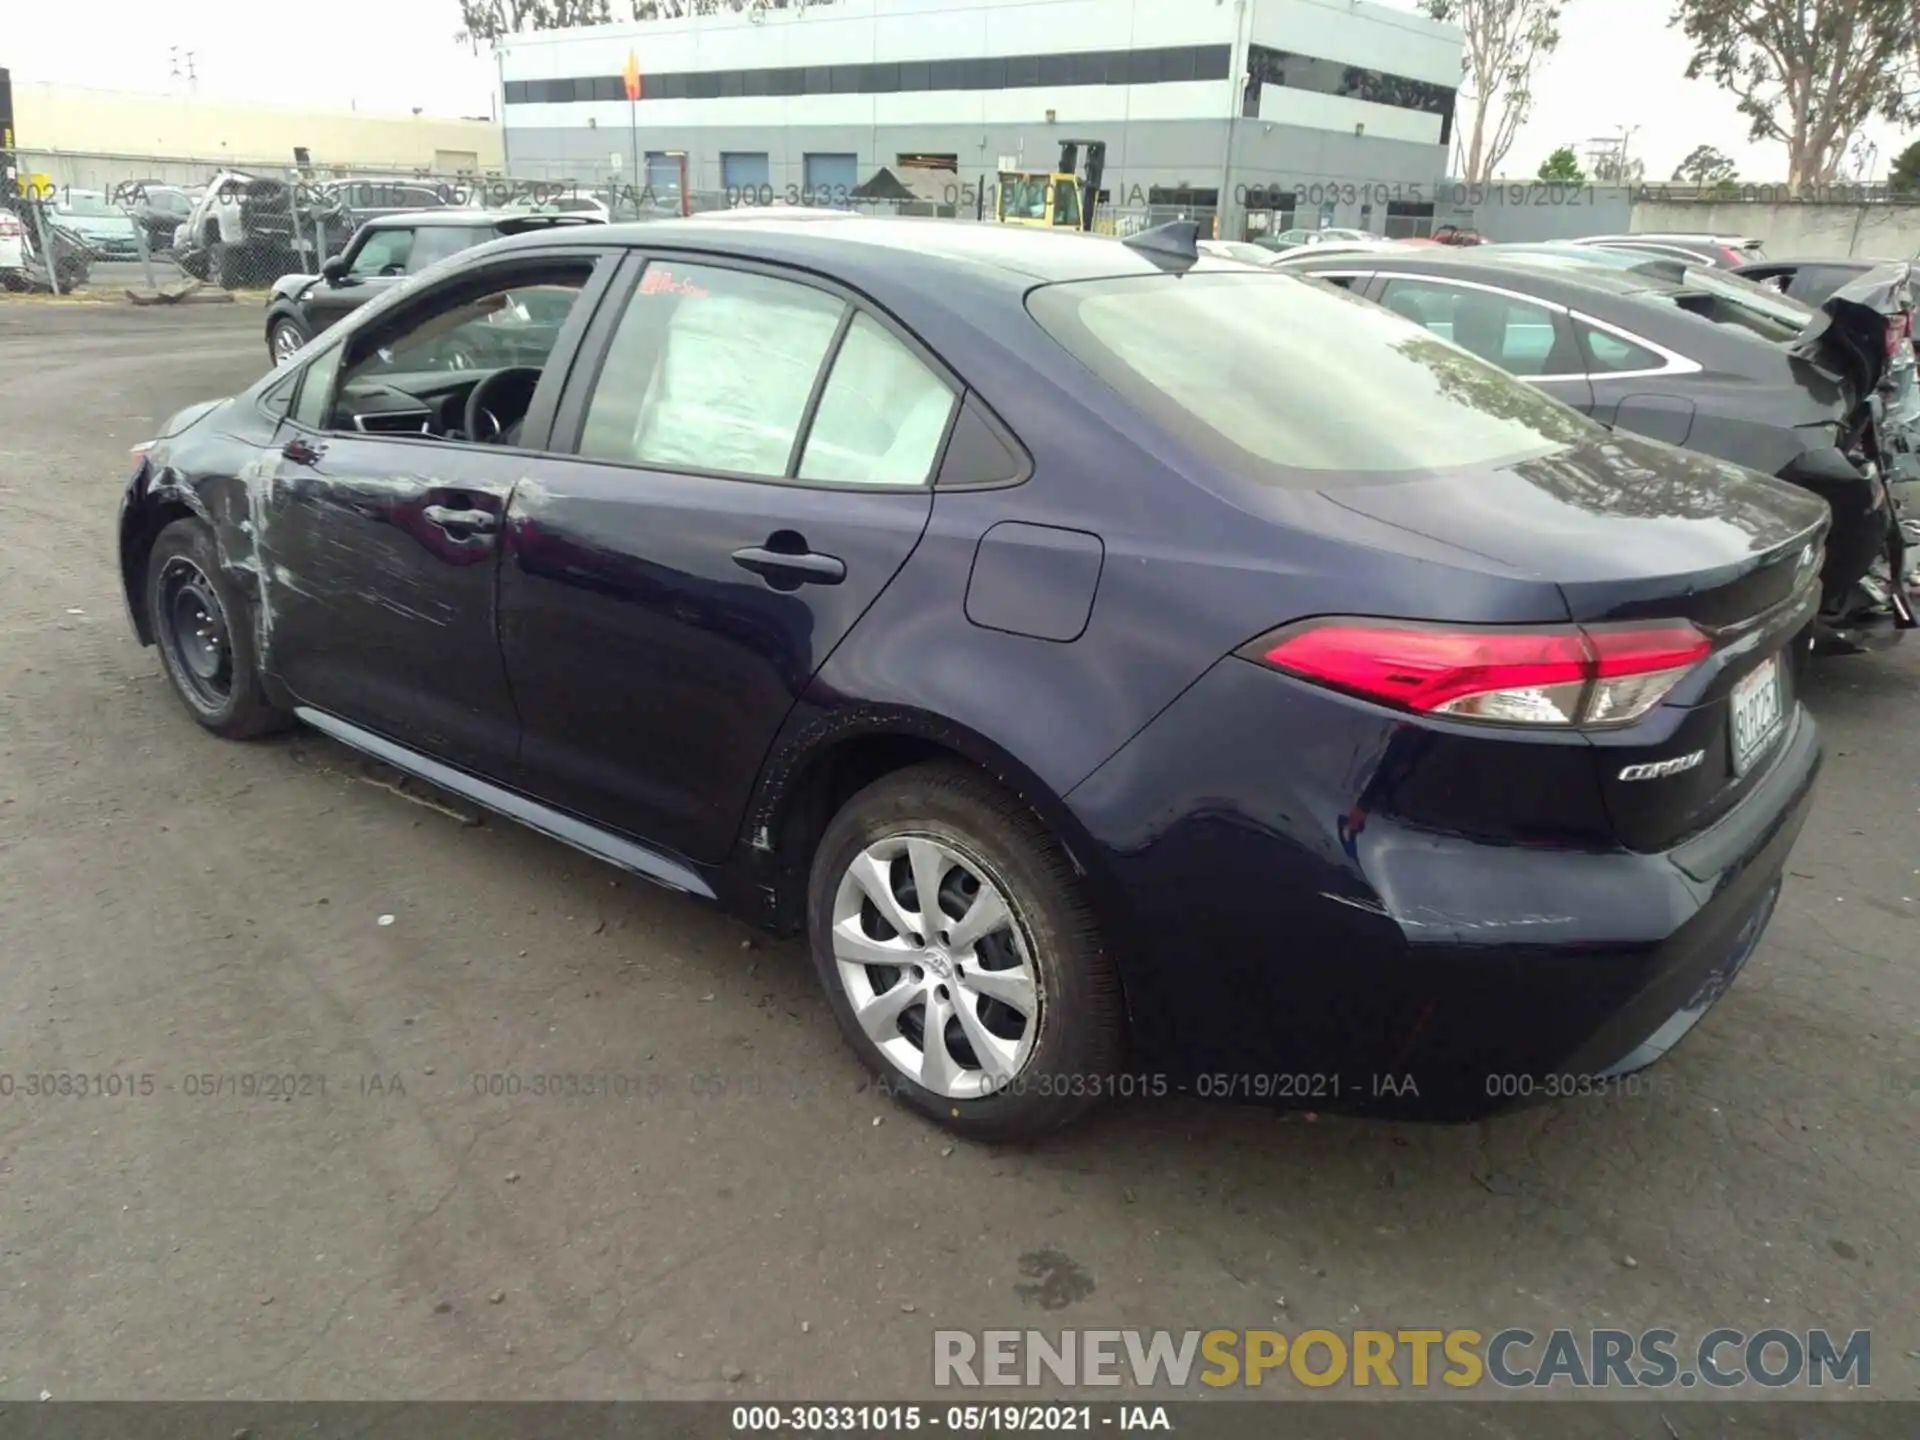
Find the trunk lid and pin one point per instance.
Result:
(1634, 531)
(1628, 528)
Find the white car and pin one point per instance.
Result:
(13, 247)
(1245, 251)
(568, 205)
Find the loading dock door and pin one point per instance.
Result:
(830, 178)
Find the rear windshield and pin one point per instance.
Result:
(1738, 304)
(1273, 375)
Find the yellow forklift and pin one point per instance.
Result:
(1065, 198)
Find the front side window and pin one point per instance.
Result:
(465, 333)
(1518, 337)
(516, 326)
(384, 252)
(316, 388)
(1286, 382)
(434, 243)
(710, 370)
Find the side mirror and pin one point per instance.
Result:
(334, 269)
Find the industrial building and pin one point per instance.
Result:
(95, 139)
(1337, 111)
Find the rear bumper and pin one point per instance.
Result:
(1270, 954)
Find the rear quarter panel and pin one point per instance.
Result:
(1194, 565)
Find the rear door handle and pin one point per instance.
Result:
(301, 452)
(804, 568)
(475, 521)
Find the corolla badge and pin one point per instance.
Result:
(1660, 769)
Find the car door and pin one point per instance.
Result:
(377, 260)
(1531, 338)
(753, 459)
(379, 525)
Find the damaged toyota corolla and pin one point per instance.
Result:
(1129, 671)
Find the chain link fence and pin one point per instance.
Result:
(132, 221)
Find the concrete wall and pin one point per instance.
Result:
(1523, 211)
(1790, 231)
(110, 126)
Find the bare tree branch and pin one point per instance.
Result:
(1506, 41)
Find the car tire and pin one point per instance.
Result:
(285, 332)
(1048, 956)
(203, 629)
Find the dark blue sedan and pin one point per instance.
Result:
(1133, 672)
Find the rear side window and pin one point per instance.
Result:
(1737, 304)
(1610, 354)
(1285, 381)
(882, 416)
(1518, 337)
(710, 369)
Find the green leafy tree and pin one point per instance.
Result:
(1506, 41)
(1562, 167)
(1808, 73)
(1905, 178)
(1611, 167)
(1705, 165)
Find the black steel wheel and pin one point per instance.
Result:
(203, 629)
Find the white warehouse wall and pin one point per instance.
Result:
(1354, 32)
(862, 31)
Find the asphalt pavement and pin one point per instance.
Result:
(325, 1173)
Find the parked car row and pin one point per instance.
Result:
(1131, 670)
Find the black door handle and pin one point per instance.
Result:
(478, 521)
(795, 569)
(302, 452)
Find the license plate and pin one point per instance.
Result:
(1758, 713)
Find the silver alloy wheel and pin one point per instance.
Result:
(944, 987)
(286, 343)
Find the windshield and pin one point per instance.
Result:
(89, 206)
(1026, 196)
(1739, 304)
(1278, 377)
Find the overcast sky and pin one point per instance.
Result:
(1619, 64)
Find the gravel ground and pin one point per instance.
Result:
(748, 1219)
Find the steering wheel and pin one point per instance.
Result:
(497, 392)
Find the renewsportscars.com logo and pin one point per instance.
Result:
(1512, 1358)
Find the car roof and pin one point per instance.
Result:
(1834, 262)
(1683, 237)
(452, 215)
(899, 244)
(1573, 279)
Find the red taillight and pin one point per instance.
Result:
(1899, 332)
(1563, 677)
(10, 225)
